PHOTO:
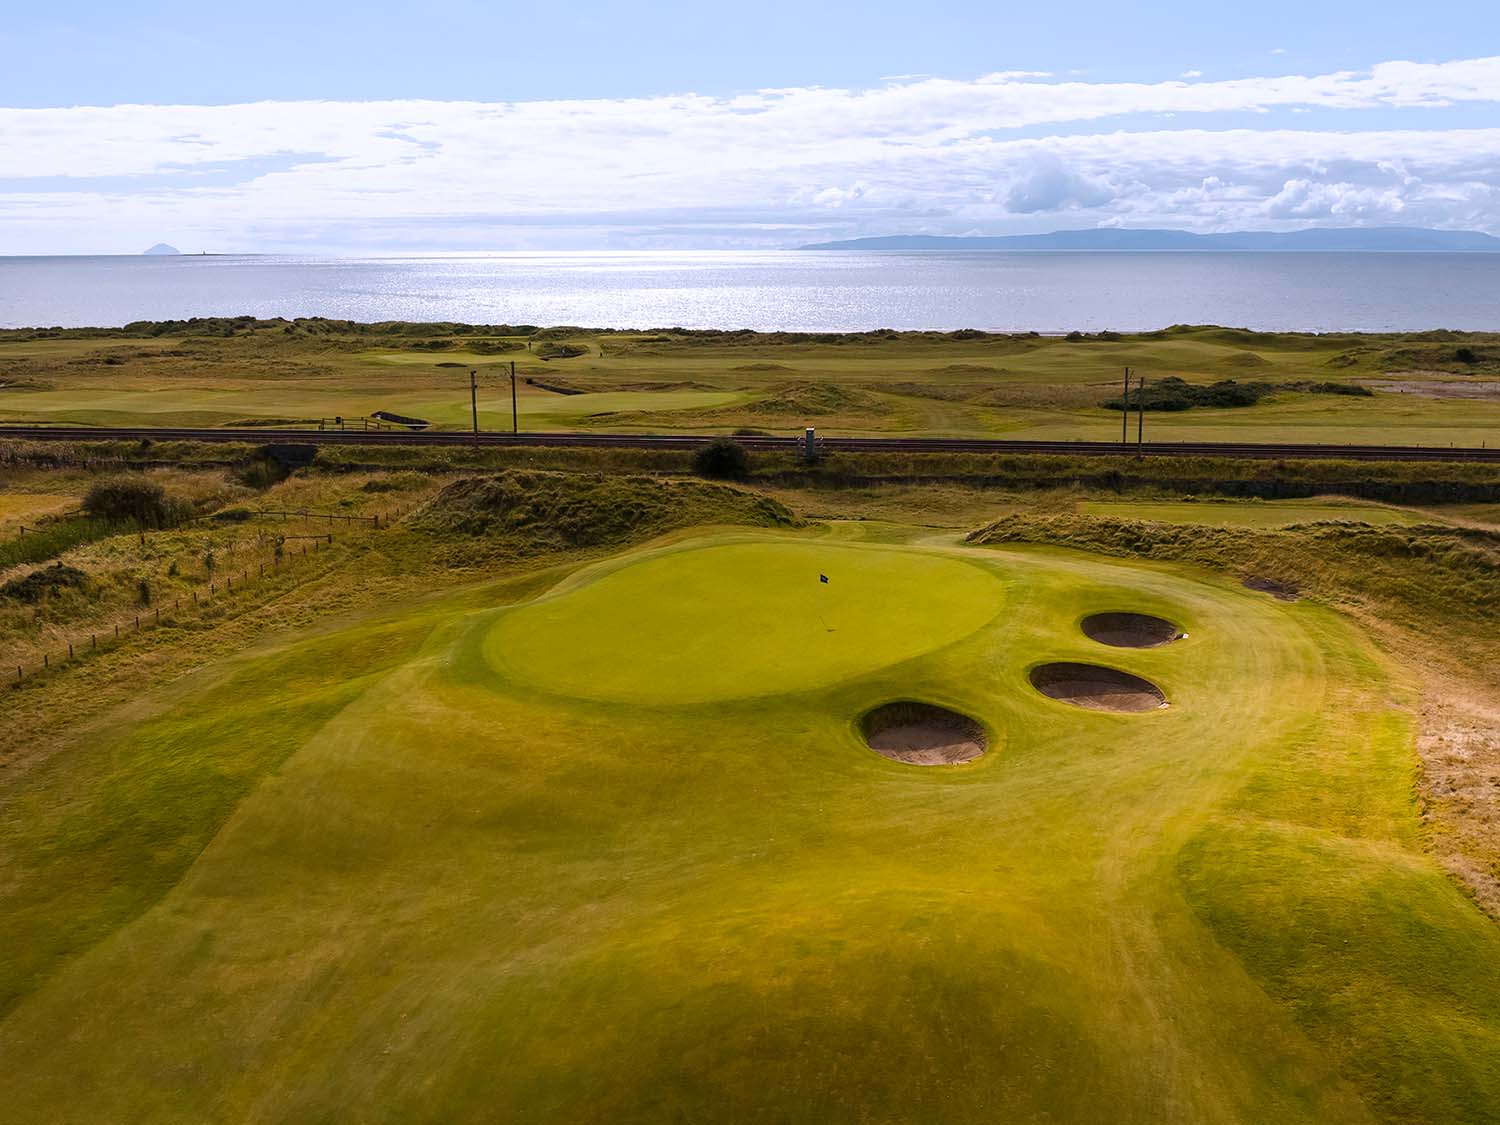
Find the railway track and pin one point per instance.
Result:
(260, 436)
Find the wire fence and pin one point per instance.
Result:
(194, 602)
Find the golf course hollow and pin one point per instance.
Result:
(922, 734)
(1096, 687)
(1129, 630)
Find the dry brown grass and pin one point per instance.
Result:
(1460, 748)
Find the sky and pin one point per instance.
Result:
(452, 126)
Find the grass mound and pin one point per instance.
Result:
(1411, 575)
(560, 511)
(817, 399)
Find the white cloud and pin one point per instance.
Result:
(1191, 74)
(936, 153)
(1051, 186)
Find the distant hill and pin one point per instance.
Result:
(163, 248)
(1381, 239)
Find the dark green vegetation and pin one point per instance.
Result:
(722, 459)
(54, 537)
(39, 585)
(1173, 393)
(135, 499)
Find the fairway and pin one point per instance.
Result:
(619, 851)
(744, 620)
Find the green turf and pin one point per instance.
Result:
(210, 406)
(748, 619)
(465, 895)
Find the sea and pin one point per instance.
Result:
(805, 291)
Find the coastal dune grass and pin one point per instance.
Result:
(481, 857)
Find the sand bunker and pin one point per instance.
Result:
(1130, 630)
(922, 734)
(1097, 688)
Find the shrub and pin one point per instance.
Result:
(41, 584)
(722, 459)
(133, 498)
(1466, 355)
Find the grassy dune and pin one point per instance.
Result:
(507, 853)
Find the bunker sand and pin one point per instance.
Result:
(923, 734)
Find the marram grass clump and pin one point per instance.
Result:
(542, 511)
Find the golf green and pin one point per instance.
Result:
(741, 620)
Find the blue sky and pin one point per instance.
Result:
(442, 126)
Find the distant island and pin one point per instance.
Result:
(162, 248)
(1373, 239)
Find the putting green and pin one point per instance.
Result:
(742, 620)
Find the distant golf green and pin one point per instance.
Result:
(743, 620)
(619, 852)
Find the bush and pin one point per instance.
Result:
(1466, 355)
(722, 459)
(1172, 393)
(133, 498)
(41, 584)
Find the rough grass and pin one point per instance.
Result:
(56, 536)
(536, 511)
(1423, 575)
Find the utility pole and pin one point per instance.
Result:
(1125, 411)
(515, 418)
(1140, 419)
(474, 404)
